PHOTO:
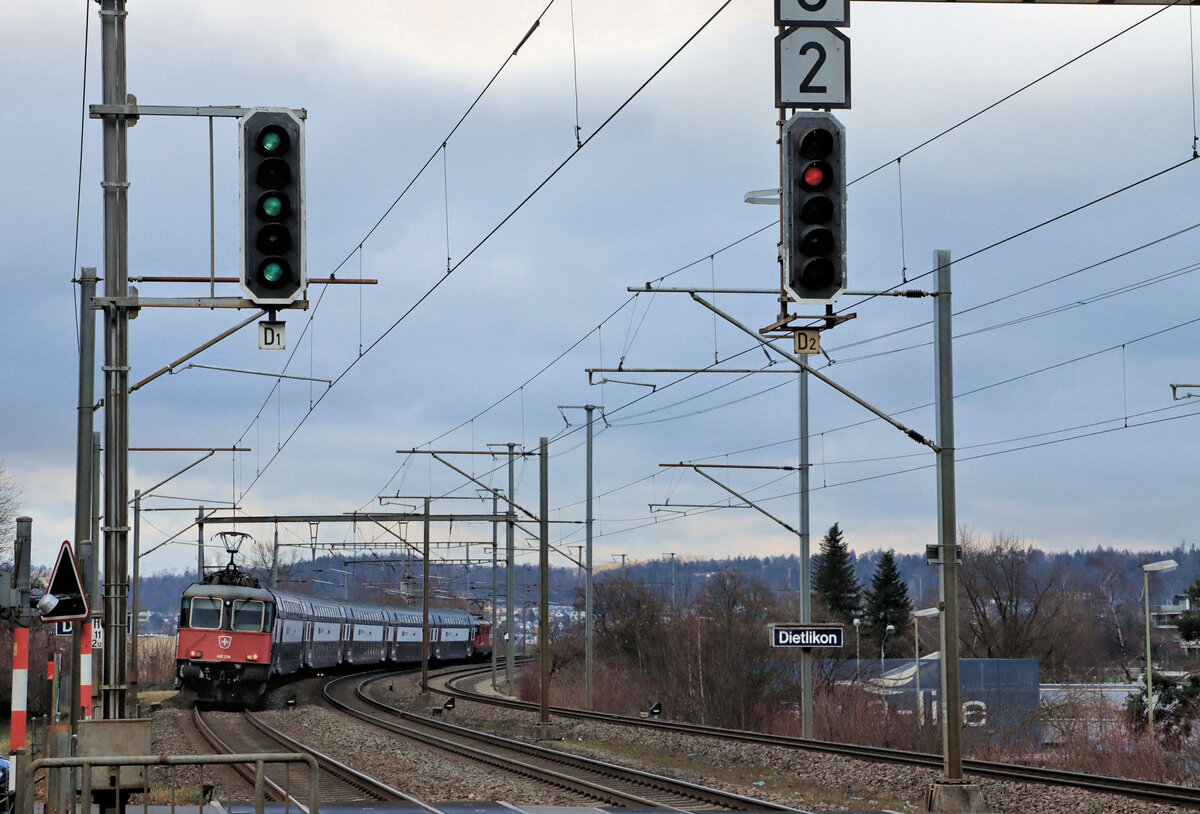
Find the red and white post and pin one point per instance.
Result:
(85, 668)
(20, 695)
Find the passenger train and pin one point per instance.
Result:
(235, 637)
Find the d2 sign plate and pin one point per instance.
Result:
(812, 68)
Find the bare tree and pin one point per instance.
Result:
(1120, 611)
(10, 495)
(1019, 603)
(740, 675)
(259, 557)
(630, 622)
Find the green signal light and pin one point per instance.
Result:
(272, 273)
(271, 142)
(272, 206)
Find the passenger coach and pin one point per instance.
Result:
(235, 636)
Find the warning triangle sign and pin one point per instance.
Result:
(67, 587)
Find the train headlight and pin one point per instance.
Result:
(195, 654)
(251, 657)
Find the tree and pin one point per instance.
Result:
(10, 495)
(833, 579)
(740, 671)
(1019, 604)
(630, 624)
(887, 599)
(262, 556)
(1189, 621)
(1176, 707)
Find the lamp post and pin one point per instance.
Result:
(886, 632)
(1161, 566)
(917, 648)
(857, 657)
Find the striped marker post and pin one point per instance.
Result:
(20, 694)
(85, 669)
(20, 686)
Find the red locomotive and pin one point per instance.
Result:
(235, 637)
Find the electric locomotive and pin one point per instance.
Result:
(235, 636)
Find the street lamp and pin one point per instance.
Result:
(857, 658)
(917, 648)
(886, 632)
(1161, 566)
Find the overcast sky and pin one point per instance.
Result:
(1067, 432)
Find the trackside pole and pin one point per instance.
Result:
(950, 792)
(544, 579)
(113, 688)
(83, 469)
(806, 670)
(510, 639)
(20, 688)
(22, 543)
(20, 695)
(589, 622)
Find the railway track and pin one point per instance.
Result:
(591, 780)
(235, 733)
(452, 684)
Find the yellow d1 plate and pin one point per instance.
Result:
(808, 341)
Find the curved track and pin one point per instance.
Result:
(592, 780)
(452, 684)
(233, 733)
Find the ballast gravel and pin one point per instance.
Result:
(807, 781)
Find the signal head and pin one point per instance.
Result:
(813, 204)
(273, 244)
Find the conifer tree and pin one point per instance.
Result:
(833, 578)
(887, 600)
(1188, 622)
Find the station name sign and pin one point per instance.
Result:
(806, 636)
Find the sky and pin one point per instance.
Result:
(1068, 335)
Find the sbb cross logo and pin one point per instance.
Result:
(224, 642)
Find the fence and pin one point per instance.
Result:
(66, 796)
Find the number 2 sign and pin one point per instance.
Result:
(812, 68)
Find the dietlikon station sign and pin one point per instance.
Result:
(806, 636)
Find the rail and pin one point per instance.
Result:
(1140, 789)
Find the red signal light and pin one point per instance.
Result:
(816, 176)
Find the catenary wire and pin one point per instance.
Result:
(83, 117)
(283, 444)
(1019, 90)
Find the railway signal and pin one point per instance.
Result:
(272, 158)
(813, 199)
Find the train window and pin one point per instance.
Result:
(206, 613)
(249, 615)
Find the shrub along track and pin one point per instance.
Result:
(455, 684)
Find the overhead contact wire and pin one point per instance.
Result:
(498, 226)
